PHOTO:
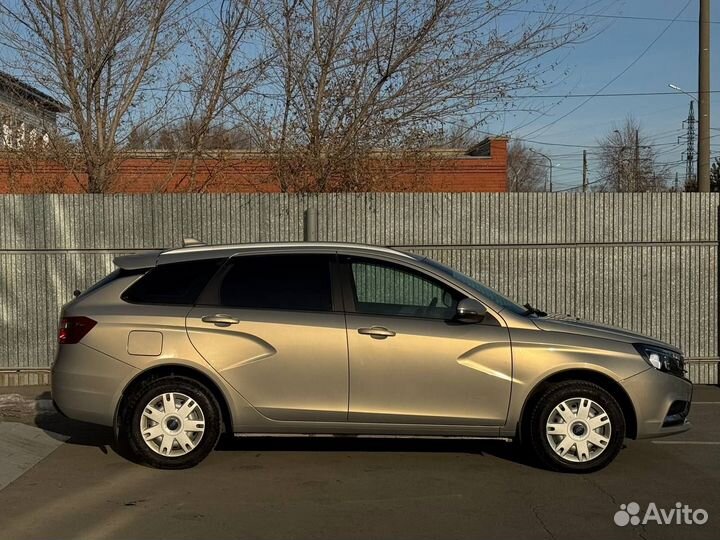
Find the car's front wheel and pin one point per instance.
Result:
(172, 422)
(576, 426)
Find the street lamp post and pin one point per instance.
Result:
(678, 89)
(551, 165)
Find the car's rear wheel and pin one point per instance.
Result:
(172, 423)
(576, 426)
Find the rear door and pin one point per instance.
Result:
(410, 362)
(270, 325)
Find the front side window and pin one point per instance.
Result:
(387, 289)
(173, 283)
(280, 282)
(485, 291)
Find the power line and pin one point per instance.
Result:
(612, 94)
(559, 167)
(605, 16)
(583, 126)
(616, 77)
(608, 176)
(601, 179)
(567, 145)
(581, 146)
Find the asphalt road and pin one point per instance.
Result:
(360, 488)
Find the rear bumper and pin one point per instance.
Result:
(656, 396)
(87, 384)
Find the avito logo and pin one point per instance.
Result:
(681, 514)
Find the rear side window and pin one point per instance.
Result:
(280, 282)
(173, 283)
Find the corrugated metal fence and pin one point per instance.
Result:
(645, 262)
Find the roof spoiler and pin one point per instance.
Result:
(138, 261)
(148, 259)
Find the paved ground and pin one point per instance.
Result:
(345, 488)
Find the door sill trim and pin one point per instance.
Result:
(373, 436)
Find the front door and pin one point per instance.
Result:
(410, 363)
(268, 325)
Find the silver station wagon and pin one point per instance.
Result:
(176, 347)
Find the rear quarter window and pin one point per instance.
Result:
(174, 283)
(112, 276)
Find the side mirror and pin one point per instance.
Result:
(470, 310)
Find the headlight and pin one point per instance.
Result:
(662, 359)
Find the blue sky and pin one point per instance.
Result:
(672, 59)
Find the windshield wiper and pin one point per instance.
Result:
(533, 311)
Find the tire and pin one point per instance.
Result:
(575, 426)
(183, 414)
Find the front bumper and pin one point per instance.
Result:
(656, 397)
(86, 384)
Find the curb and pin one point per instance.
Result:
(16, 406)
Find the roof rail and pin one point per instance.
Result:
(192, 242)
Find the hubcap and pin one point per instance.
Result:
(578, 430)
(172, 424)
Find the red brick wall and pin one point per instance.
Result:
(482, 174)
(251, 173)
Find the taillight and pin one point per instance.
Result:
(73, 329)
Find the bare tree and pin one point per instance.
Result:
(337, 91)
(348, 77)
(459, 135)
(715, 175)
(224, 70)
(526, 169)
(181, 139)
(98, 56)
(692, 185)
(43, 167)
(220, 69)
(629, 162)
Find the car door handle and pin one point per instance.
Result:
(376, 332)
(220, 320)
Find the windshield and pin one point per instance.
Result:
(484, 291)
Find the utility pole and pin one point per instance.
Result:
(636, 173)
(550, 176)
(622, 170)
(703, 164)
(585, 171)
(677, 185)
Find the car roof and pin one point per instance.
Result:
(199, 252)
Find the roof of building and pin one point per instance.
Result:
(483, 148)
(29, 93)
(480, 149)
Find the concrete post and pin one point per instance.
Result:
(310, 225)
